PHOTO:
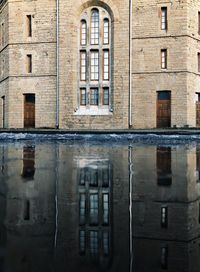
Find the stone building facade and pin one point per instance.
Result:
(99, 64)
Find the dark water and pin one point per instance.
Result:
(97, 206)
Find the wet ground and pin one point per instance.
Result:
(99, 203)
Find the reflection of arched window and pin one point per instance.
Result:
(95, 60)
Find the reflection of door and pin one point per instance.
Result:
(198, 110)
(29, 110)
(3, 112)
(164, 109)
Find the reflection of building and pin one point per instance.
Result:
(166, 207)
(69, 214)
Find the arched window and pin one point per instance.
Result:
(95, 59)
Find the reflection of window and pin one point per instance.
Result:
(94, 245)
(106, 243)
(106, 209)
(164, 172)
(94, 209)
(105, 177)
(82, 209)
(28, 162)
(94, 177)
(82, 242)
(164, 217)
(27, 210)
(164, 257)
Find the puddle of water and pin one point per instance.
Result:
(99, 206)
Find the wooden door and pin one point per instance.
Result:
(198, 114)
(164, 110)
(29, 111)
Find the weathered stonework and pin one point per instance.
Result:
(181, 76)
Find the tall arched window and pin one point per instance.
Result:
(95, 59)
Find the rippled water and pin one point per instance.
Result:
(99, 203)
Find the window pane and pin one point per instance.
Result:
(82, 242)
(164, 18)
(164, 58)
(106, 32)
(83, 65)
(106, 243)
(83, 33)
(94, 65)
(83, 97)
(95, 27)
(106, 65)
(94, 97)
(105, 96)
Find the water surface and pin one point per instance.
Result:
(110, 204)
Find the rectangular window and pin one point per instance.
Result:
(164, 18)
(105, 177)
(199, 22)
(83, 97)
(83, 32)
(106, 96)
(164, 59)
(29, 63)
(105, 209)
(164, 217)
(94, 65)
(2, 34)
(198, 56)
(83, 65)
(82, 209)
(106, 31)
(95, 27)
(94, 97)
(105, 65)
(94, 209)
(29, 25)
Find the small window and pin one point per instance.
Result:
(106, 209)
(94, 97)
(164, 18)
(83, 32)
(106, 246)
(94, 243)
(83, 97)
(106, 96)
(199, 22)
(164, 217)
(164, 59)
(29, 63)
(29, 25)
(106, 31)
(164, 169)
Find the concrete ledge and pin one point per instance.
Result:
(172, 131)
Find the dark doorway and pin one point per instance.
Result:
(29, 110)
(164, 109)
